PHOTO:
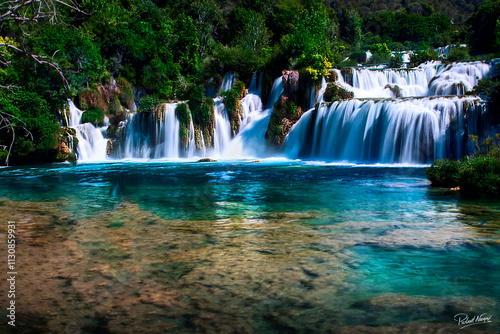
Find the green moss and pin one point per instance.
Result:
(148, 104)
(334, 92)
(89, 98)
(126, 93)
(183, 114)
(94, 116)
(231, 99)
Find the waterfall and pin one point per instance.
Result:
(227, 82)
(387, 131)
(429, 79)
(153, 135)
(222, 131)
(91, 142)
(250, 140)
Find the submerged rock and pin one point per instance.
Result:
(207, 160)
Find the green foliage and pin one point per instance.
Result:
(483, 28)
(380, 53)
(75, 52)
(148, 104)
(420, 57)
(94, 116)
(396, 61)
(458, 54)
(444, 173)
(478, 174)
(358, 56)
(187, 46)
(334, 92)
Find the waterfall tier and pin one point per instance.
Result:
(429, 79)
(388, 131)
(91, 141)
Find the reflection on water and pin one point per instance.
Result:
(247, 248)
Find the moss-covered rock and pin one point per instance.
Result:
(334, 92)
(285, 114)
(395, 90)
(232, 100)
(68, 144)
(291, 105)
(89, 98)
(183, 114)
(125, 92)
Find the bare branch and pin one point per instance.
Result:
(5, 122)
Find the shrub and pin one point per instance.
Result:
(94, 116)
(358, 56)
(458, 54)
(148, 104)
(475, 175)
(396, 61)
(444, 173)
(422, 56)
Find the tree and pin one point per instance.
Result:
(207, 16)
(17, 16)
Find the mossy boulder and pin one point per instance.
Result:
(183, 114)
(89, 98)
(334, 92)
(232, 100)
(285, 114)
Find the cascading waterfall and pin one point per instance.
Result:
(429, 79)
(397, 116)
(222, 131)
(250, 141)
(153, 136)
(91, 142)
(387, 131)
(396, 130)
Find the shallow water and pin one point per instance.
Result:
(235, 246)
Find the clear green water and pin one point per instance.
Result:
(273, 247)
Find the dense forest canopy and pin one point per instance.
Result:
(106, 54)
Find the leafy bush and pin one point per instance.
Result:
(94, 116)
(444, 173)
(478, 174)
(358, 56)
(458, 54)
(396, 61)
(420, 57)
(148, 104)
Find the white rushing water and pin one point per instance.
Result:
(429, 79)
(397, 116)
(387, 131)
(250, 141)
(91, 142)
